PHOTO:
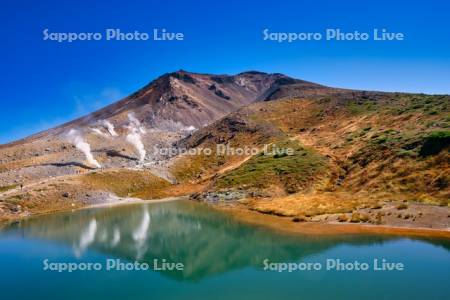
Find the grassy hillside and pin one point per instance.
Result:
(292, 171)
(391, 146)
(235, 130)
(126, 183)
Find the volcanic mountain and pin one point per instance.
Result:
(167, 109)
(350, 150)
(190, 99)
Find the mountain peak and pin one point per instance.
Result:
(194, 99)
(252, 72)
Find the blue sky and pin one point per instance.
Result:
(45, 83)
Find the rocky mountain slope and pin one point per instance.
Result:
(189, 99)
(309, 152)
(165, 110)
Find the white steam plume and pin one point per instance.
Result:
(75, 137)
(134, 136)
(190, 129)
(110, 127)
(135, 123)
(161, 124)
(98, 132)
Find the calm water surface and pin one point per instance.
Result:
(222, 258)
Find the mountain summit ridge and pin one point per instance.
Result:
(192, 99)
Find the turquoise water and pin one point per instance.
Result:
(222, 258)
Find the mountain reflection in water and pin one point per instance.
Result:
(206, 241)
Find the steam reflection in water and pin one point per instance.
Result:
(206, 241)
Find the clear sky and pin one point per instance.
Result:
(45, 83)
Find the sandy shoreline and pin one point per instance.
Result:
(285, 225)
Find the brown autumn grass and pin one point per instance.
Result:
(126, 183)
(372, 146)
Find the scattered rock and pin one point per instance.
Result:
(214, 197)
(402, 206)
(299, 219)
(220, 94)
(342, 218)
(358, 217)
